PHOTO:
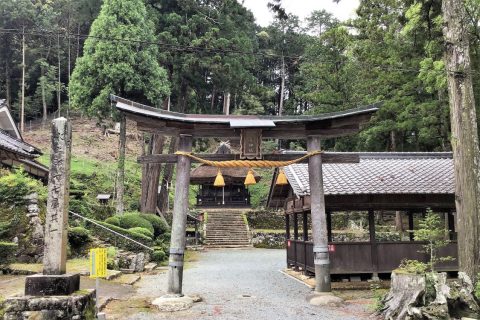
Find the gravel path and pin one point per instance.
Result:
(241, 284)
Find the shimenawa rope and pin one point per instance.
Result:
(247, 163)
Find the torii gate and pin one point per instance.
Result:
(250, 130)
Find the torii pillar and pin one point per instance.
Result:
(319, 219)
(179, 221)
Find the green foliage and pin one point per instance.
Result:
(115, 220)
(7, 252)
(477, 288)
(158, 254)
(78, 236)
(129, 70)
(265, 219)
(378, 297)
(159, 226)
(142, 231)
(16, 185)
(259, 191)
(412, 267)
(432, 230)
(120, 242)
(134, 219)
(111, 255)
(90, 177)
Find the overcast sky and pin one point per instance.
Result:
(343, 10)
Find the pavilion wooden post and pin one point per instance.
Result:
(179, 222)
(319, 219)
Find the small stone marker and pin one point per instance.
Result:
(54, 281)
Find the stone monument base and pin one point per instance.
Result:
(79, 305)
(52, 285)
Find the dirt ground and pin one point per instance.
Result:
(88, 140)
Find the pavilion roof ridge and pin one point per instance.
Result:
(387, 154)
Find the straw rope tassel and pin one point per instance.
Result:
(219, 181)
(281, 178)
(250, 178)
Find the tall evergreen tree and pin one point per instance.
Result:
(127, 68)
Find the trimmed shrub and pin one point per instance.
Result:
(159, 226)
(7, 252)
(115, 220)
(132, 220)
(142, 231)
(158, 255)
(78, 236)
(120, 242)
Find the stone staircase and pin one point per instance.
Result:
(226, 228)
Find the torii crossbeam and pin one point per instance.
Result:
(250, 130)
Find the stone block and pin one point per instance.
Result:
(52, 285)
(77, 306)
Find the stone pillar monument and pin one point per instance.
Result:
(54, 281)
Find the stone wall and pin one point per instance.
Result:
(30, 241)
(77, 306)
(268, 240)
(266, 219)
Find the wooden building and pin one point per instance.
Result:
(402, 185)
(234, 194)
(14, 152)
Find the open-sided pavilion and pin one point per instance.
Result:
(400, 185)
(250, 130)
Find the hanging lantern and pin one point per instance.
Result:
(281, 178)
(250, 178)
(219, 182)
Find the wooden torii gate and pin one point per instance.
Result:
(250, 130)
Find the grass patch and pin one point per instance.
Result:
(190, 258)
(73, 265)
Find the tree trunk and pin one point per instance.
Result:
(226, 103)
(44, 99)
(464, 136)
(59, 89)
(150, 176)
(282, 88)
(162, 201)
(22, 108)
(120, 185)
(8, 86)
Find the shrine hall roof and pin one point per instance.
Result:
(381, 173)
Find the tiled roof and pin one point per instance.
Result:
(9, 143)
(381, 173)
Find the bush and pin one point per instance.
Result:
(412, 267)
(132, 220)
(121, 242)
(111, 255)
(159, 226)
(78, 236)
(142, 231)
(115, 220)
(15, 186)
(158, 254)
(7, 252)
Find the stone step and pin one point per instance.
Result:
(230, 246)
(226, 238)
(227, 241)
